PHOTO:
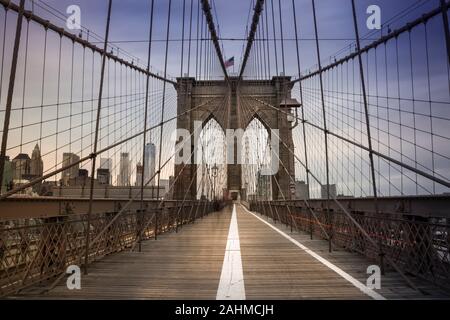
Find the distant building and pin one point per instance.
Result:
(21, 167)
(103, 176)
(7, 182)
(72, 172)
(82, 179)
(83, 173)
(333, 192)
(150, 163)
(36, 163)
(123, 179)
(301, 190)
(139, 172)
(107, 164)
(47, 188)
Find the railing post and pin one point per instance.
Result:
(177, 217)
(12, 80)
(156, 221)
(292, 221)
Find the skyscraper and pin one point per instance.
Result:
(106, 165)
(72, 172)
(149, 170)
(139, 171)
(21, 166)
(36, 163)
(123, 178)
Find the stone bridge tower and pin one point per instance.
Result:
(222, 100)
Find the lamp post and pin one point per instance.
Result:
(291, 105)
(215, 170)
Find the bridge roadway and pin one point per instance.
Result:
(232, 254)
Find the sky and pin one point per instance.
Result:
(130, 22)
(129, 34)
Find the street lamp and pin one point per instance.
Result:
(290, 105)
(215, 170)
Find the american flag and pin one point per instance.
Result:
(229, 62)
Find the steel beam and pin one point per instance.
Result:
(419, 206)
(212, 30)
(47, 207)
(251, 38)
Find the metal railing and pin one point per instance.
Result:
(38, 250)
(418, 245)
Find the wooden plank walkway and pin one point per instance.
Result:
(183, 265)
(188, 266)
(392, 284)
(274, 268)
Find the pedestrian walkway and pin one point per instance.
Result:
(232, 254)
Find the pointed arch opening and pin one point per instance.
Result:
(257, 159)
(211, 161)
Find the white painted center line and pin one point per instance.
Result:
(231, 286)
(371, 293)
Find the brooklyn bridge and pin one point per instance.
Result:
(140, 161)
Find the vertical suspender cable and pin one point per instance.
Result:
(162, 114)
(190, 40)
(274, 39)
(182, 38)
(301, 98)
(97, 128)
(366, 111)
(147, 87)
(282, 39)
(267, 39)
(196, 50)
(43, 89)
(324, 124)
(12, 78)
(24, 84)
